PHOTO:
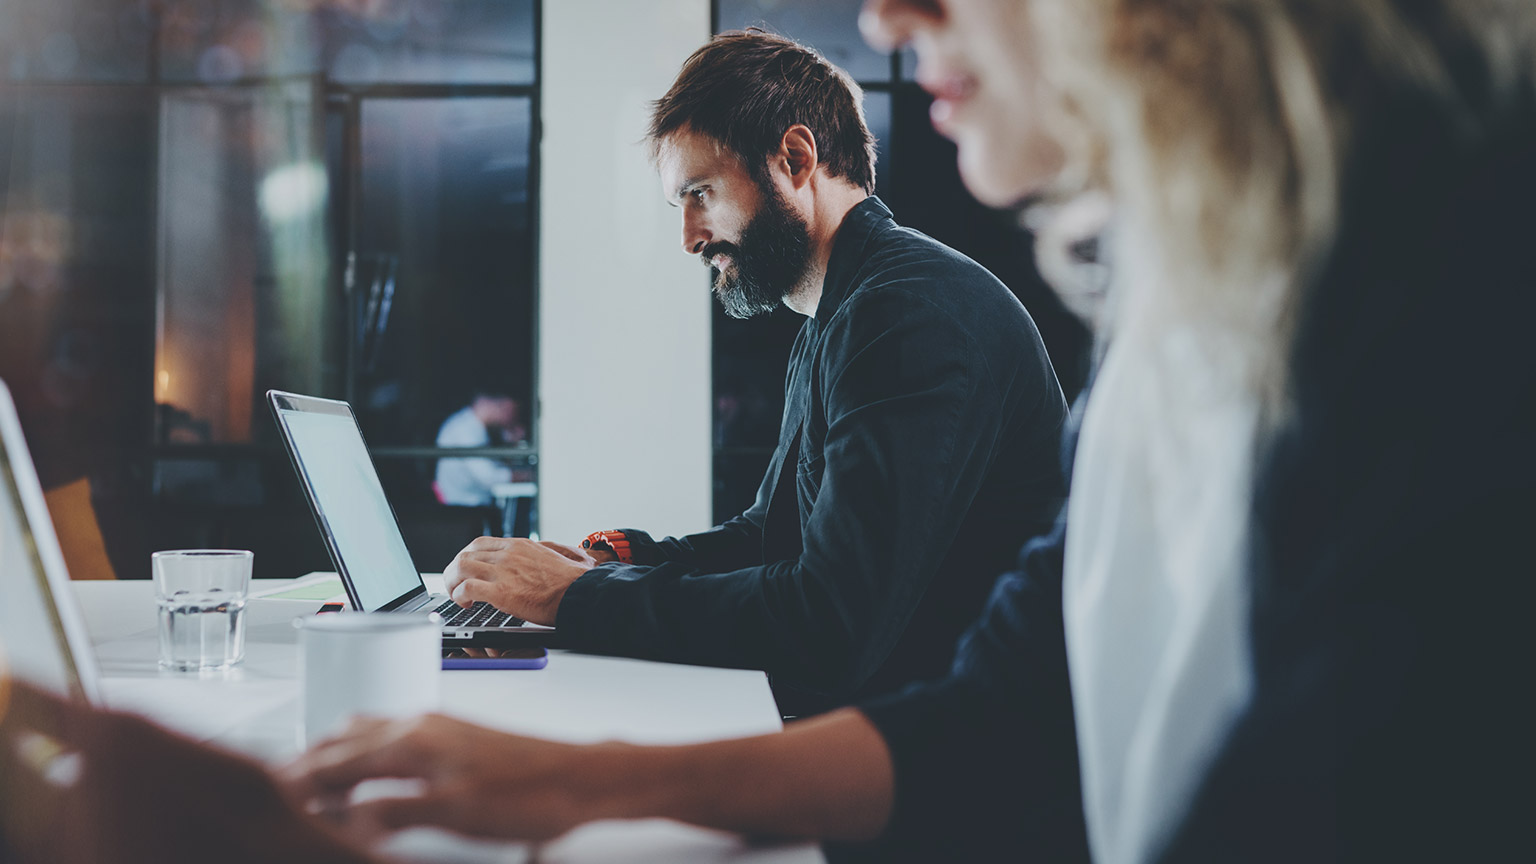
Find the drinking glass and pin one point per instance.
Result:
(201, 594)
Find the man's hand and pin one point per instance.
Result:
(581, 554)
(471, 780)
(523, 577)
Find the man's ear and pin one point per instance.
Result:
(797, 153)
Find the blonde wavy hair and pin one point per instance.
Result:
(1223, 127)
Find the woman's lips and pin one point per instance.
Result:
(950, 92)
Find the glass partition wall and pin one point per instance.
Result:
(205, 200)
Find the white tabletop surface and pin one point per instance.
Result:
(254, 709)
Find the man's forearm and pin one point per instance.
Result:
(829, 778)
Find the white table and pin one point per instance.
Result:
(579, 698)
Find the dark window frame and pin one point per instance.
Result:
(350, 97)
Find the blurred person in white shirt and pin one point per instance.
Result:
(491, 419)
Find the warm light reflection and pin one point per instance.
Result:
(163, 386)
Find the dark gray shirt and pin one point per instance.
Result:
(918, 451)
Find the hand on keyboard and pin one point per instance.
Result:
(479, 615)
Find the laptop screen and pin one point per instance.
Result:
(345, 489)
(42, 639)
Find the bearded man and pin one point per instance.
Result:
(919, 445)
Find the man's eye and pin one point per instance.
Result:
(698, 195)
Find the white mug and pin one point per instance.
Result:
(375, 664)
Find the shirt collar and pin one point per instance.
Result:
(849, 249)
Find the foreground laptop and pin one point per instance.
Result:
(42, 635)
(361, 532)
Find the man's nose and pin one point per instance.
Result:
(695, 236)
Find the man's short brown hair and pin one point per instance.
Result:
(745, 88)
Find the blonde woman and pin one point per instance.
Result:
(1305, 470)
(1287, 599)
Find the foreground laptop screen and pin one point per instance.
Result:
(33, 642)
(341, 476)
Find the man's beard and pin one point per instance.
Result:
(769, 262)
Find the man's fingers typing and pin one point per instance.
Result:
(471, 591)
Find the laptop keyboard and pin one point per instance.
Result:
(481, 614)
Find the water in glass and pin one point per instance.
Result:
(202, 629)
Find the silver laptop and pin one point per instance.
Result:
(42, 635)
(362, 533)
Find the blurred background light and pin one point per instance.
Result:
(293, 191)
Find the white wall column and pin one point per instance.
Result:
(624, 315)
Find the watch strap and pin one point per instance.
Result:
(616, 541)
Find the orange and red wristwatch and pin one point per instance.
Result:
(613, 541)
